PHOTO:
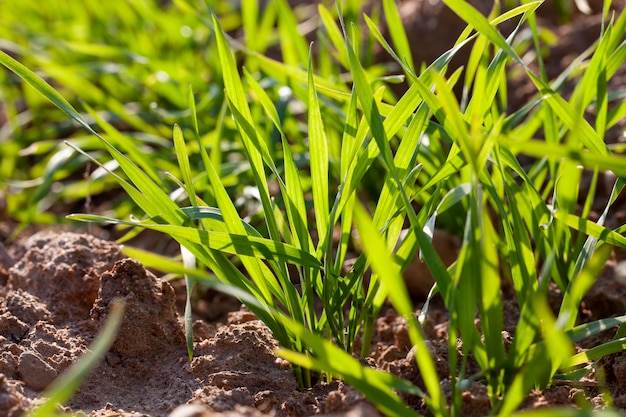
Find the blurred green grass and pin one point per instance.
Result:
(132, 62)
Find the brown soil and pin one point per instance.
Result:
(54, 301)
(56, 296)
(56, 289)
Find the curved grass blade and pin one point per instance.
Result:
(586, 330)
(183, 162)
(398, 34)
(376, 385)
(383, 265)
(596, 352)
(159, 262)
(592, 229)
(235, 244)
(256, 149)
(43, 88)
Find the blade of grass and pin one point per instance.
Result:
(376, 385)
(256, 149)
(43, 88)
(596, 352)
(236, 244)
(397, 32)
(318, 150)
(383, 265)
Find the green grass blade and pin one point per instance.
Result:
(318, 149)
(265, 100)
(479, 22)
(369, 106)
(295, 205)
(43, 88)
(333, 33)
(580, 284)
(586, 330)
(234, 225)
(256, 148)
(596, 352)
(568, 115)
(592, 229)
(160, 262)
(490, 299)
(213, 216)
(383, 265)
(554, 152)
(250, 14)
(376, 385)
(183, 162)
(397, 32)
(293, 44)
(236, 244)
(374, 119)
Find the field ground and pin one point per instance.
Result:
(56, 286)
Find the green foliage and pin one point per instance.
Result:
(299, 137)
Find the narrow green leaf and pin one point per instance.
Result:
(398, 34)
(592, 229)
(479, 22)
(580, 284)
(183, 162)
(160, 262)
(383, 265)
(293, 44)
(43, 88)
(586, 330)
(236, 244)
(596, 352)
(555, 152)
(333, 33)
(265, 100)
(376, 385)
(250, 14)
(318, 149)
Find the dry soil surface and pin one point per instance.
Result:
(56, 289)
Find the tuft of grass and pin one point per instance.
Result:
(265, 191)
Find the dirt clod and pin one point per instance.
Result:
(34, 371)
(12, 401)
(11, 327)
(68, 281)
(150, 321)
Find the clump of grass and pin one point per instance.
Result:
(434, 154)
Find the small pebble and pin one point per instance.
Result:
(35, 372)
(191, 410)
